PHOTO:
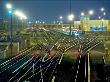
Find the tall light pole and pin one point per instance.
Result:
(70, 18)
(61, 22)
(9, 7)
(102, 9)
(82, 15)
(91, 12)
(104, 13)
(19, 14)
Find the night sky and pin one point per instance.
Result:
(50, 10)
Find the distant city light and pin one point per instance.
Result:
(82, 14)
(102, 19)
(91, 12)
(43, 22)
(61, 17)
(102, 9)
(104, 13)
(99, 17)
(29, 22)
(36, 22)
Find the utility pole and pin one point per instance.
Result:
(11, 34)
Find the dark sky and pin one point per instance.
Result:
(50, 10)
